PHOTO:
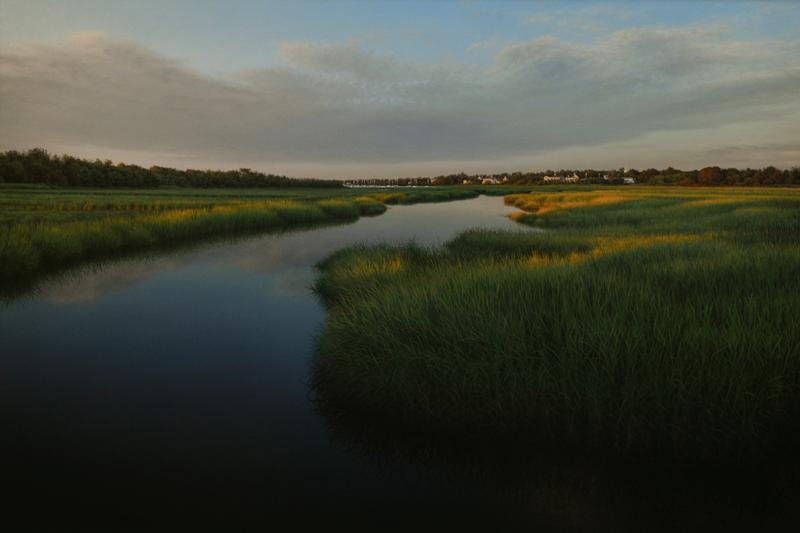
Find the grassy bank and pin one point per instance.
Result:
(41, 228)
(656, 323)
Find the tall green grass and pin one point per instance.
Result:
(44, 228)
(657, 325)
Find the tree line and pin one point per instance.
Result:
(651, 176)
(39, 166)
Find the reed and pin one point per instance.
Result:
(658, 325)
(42, 228)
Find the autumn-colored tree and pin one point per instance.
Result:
(710, 176)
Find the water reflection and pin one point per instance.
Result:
(285, 255)
(91, 282)
(181, 377)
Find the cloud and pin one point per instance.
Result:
(341, 60)
(341, 104)
(590, 18)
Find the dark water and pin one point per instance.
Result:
(178, 383)
(170, 392)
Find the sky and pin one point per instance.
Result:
(403, 88)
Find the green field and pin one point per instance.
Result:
(655, 323)
(43, 228)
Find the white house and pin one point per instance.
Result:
(551, 179)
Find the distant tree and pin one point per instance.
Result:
(38, 166)
(710, 176)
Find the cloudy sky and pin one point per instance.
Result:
(359, 89)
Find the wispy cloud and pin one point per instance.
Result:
(591, 18)
(341, 103)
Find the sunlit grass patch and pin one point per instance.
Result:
(340, 208)
(540, 204)
(608, 245)
(519, 216)
(723, 200)
(369, 206)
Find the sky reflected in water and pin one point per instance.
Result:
(193, 365)
(287, 258)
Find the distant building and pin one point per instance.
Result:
(630, 181)
(551, 179)
(572, 179)
(489, 181)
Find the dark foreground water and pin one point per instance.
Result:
(170, 391)
(177, 382)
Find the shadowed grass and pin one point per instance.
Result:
(662, 326)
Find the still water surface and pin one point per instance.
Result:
(179, 381)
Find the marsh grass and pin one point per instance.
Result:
(660, 326)
(44, 228)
